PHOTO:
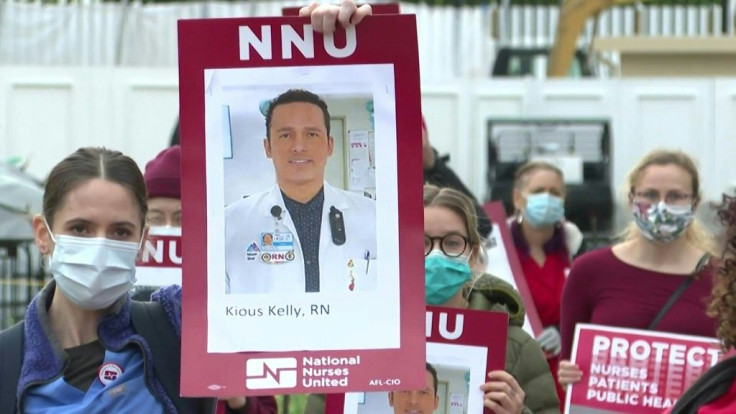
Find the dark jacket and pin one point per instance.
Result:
(44, 360)
(708, 388)
(442, 175)
(524, 357)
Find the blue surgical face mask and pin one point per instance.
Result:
(544, 209)
(444, 276)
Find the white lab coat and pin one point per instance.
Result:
(339, 266)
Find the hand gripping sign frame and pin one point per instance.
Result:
(635, 370)
(260, 351)
(457, 340)
(378, 8)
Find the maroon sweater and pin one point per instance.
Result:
(602, 289)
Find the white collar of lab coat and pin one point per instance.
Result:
(333, 197)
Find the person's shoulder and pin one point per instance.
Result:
(598, 262)
(601, 256)
(170, 299)
(246, 203)
(499, 295)
(518, 337)
(573, 237)
(357, 200)
(492, 282)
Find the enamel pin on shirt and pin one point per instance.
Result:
(351, 276)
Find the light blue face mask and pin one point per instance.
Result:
(444, 276)
(544, 209)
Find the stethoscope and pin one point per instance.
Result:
(337, 223)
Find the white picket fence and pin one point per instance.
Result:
(454, 42)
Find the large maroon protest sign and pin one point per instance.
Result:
(462, 347)
(635, 371)
(253, 322)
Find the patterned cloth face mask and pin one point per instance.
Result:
(662, 222)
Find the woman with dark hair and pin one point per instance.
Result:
(84, 345)
(715, 391)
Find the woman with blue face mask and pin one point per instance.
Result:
(78, 345)
(84, 345)
(663, 251)
(545, 243)
(453, 249)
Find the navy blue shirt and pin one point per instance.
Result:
(307, 218)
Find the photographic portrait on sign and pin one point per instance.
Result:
(451, 370)
(310, 225)
(301, 168)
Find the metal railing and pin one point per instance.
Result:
(21, 277)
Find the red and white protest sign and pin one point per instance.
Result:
(462, 346)
(260, 316)
(160, 262)
(504, 263)
(635, 371)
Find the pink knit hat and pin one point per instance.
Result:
(163, 174)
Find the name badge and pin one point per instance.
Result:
(276, 247)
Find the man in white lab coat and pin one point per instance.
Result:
(303, 235)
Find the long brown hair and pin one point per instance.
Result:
(88, 163)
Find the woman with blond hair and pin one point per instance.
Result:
(545, 243)
(454, 277)
(453, 256)
(658, 276)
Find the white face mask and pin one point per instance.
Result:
(93, 272)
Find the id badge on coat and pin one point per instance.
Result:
(276, 247)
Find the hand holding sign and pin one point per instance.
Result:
(323, 17)
(635, 371)
(568, 373)
(550, 340)
(502, 393)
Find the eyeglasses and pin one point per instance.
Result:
(673, 198)
(452, 245)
